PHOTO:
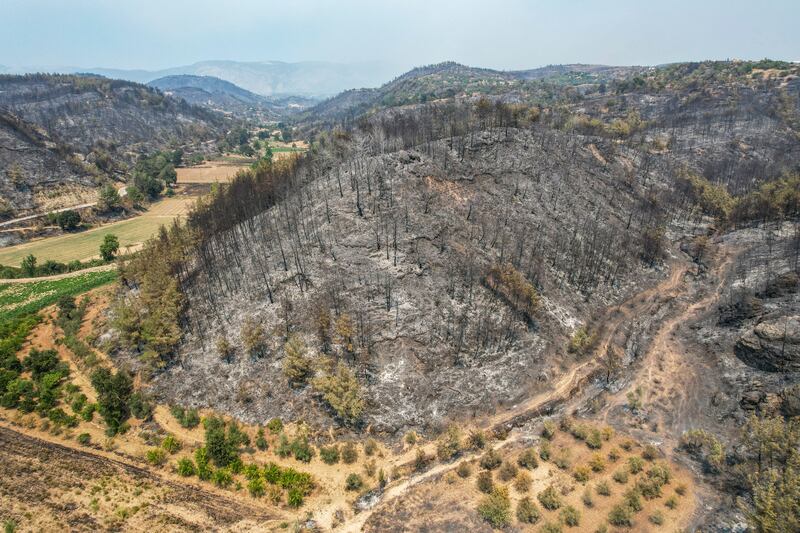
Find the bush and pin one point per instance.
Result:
(221, 448)
(633, 499)
(140, 405)
(680, 490)
(549, 498)
(421, 460)
(660, 473)
(672, 502)
(222, 477)
(522, 483)
(496, 508)
(349, 453)
(649, 488)
(256, 487)
(203, 464)
(275, 426)
(353, 482)
(491, 460)
(507, 471)
(411, 438)
(620, 515)
(549, 429)
(580, 431)
(613, 455)
(544, 451)
(284, 448)
(562, 461)
(449, 444)
(296, 363)
(109, 247)
(156, 456)
(597, 463)
(581, 474)
(594, 440)
(84, 439)
(650, 452)
(261, 441)
(657, 518)
(186, 467)
(477, 439)
(329, 454)
(113, 393)
(294, 498)
(571, 516)
(587, 499)
(527, 459)
(342, 392)
(370, 447)
(302, 450)
(527, 511)
(484, 482)
(635, 464)
(464, 470)
(603, 489)
(551, 527)
(171, 444)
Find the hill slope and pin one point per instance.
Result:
(60, 131)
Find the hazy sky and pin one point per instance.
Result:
(503, 34)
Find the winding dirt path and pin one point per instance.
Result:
(565, 393)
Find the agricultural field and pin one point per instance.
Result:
(221, 170)
(18, 299)
(85, 245)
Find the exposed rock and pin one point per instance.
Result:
(773, 345)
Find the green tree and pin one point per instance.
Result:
(113, 393)
(342, 392)
(109, 247)
(68, 220)
(296, 365)
(28, 265)
(109, 198)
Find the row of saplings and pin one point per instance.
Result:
(219, 461)
(496, 506)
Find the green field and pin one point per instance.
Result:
(86, 244)
(83, 245)
(17, 299)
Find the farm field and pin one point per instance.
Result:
(85, 245)
(213, 171)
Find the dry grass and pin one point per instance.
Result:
(212, 171)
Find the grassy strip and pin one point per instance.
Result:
(28, 298)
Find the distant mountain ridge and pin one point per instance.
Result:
(272, 78)
(221, 95)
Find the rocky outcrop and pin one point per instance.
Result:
(773, 345)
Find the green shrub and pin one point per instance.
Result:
(603, 489)
(672, 502)
(464, 470)
(349, 453)
(301, 449)
(649, 488)
(587, 498)
(477, 439)
(484, 481)
(275, 426)
(84, 439)
(329, 454)
(650, 452)
(527, 511)
(204, 471)
(594, 440)
(256, 487)
(635, 464)
(507, 471)
(222, 477)
(597, 463)
(522, 483)
(156, 456)
(549, 429)
(613, 455)
(370, 447)
(571, 516)
(633, 499)
(491, 460)
(562, 461)
(353, 482)
(527, 459)
(581, 474)
(620, 476)
(171, 444)
(620, 515)
(449, 444)
(549, 498)
(186, 467)
(284, 448)
(544, 451)
(87, 413)
(551, 527)
(261, 441)
(657, 518)
(294, 498)
(495, 508)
